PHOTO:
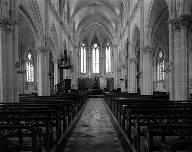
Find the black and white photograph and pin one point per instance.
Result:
(95, 75)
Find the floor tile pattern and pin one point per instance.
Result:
(94, 131)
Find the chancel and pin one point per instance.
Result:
(95, 75)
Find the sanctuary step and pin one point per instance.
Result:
(96, 92)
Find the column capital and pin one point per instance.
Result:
(115, 46)
(41, 50)
(9, 27)
(181, 22)
(56, 61)
(133, 60)
(2, 24)
(147, 49)
(7, 24)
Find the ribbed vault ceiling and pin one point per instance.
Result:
(101, 18)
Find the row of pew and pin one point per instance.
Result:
(153, 123)
(37, 123)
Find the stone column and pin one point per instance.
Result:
(10, 64)
(181, 26)
(177, 64)
(100, 59)
(8, 52)
(132, 79)
(104, 60)
(123, 73)
(115, 56)
(42, 71)
(56, 71)
(171, 60)
(14, 18)
(128, 75)
(185, 59)
(112, 60)
(147, 88)
(79, 61)
(2, 62)
(88, 60)
(142, 40)
(9, 61)
(75, 68)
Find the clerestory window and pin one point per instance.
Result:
(83, 58)
(95, 58)
(108, 57)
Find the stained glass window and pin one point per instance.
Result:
(29, 68)
(160, 67)
(83, 58)
(108, 57)
(95, 58)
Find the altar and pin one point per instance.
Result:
(96, 92)
(96, 87)
(95, 84)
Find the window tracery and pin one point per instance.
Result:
(95, 58)
(160, 66)
(108, 57)
(30, 68)
(83, 58)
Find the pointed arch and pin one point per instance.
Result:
(95, 39)
(108, 53)
(83, 57)
(158, 12)
(37, 20)
(95, 52)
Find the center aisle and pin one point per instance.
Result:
(94, 131)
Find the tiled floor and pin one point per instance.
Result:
(94, 131)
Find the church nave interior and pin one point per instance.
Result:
(62, 62)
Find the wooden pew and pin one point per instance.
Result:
(117, 100)
(112, 97)
(137, 109)
(66, 104)
(108, 96)
(9, 131)
(73, 100)
(180, 133)
(44, 118)
(44, 113)
(121, 104)
(81, 97)
(143, 122)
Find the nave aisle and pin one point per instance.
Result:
(94, 131)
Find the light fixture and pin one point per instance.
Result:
(168, 68)
(138, 76)
(21, 71)
(65, 62)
